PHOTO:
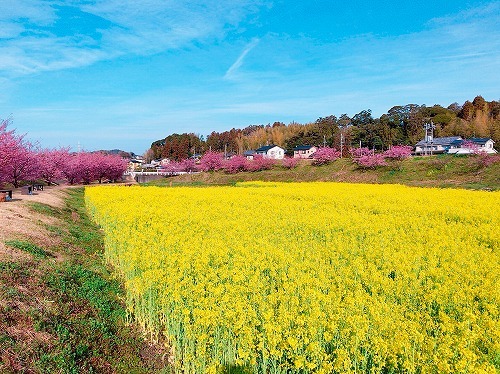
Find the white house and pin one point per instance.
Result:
(249, 154)
(454, 145)
(304, 151)
(437, 145)
(271, 151)
(474, 145)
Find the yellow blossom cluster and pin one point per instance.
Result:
(310, 277)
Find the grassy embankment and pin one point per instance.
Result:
(437, 171)
(61, 310)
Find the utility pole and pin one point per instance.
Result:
(324, 140)
(429, 137)
(341, 144)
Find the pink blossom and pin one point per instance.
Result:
(260, 163)
(370, 161)
(211, 161)
(473, 147)
(325, 155)
(18, 161)
(398, 152)
(188, 165)
(236, 164)
(290, 162)
(359, 152)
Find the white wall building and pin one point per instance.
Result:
(271, 151)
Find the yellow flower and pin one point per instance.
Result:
(321, 277)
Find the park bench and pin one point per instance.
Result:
(27, 190)
(8, 192)
(37, 187)
(5, 195)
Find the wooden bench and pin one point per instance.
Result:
(8, 192)
(27, 190)
(38, 187)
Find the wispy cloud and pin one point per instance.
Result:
(277, 77)
(230, 73)
(31, 39)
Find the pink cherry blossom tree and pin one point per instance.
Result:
(370, 161)
(18, 160)
(473, 148)
(72, 169)
(109, 167)
(260, 163)
(50, 163)
(398, 152)
(359, 152)
(325, 155)
(290, 162)
(212, 161)
(235, 164)
(188, 165)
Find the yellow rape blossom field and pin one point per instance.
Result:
(310, 277)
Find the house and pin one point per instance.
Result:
(229, 155)
(432, 146)
(483, 144)
(304, 151)
(197, 157)
(249, 154)
(474, 145)
(135, 164)
(455, 145)
(271, 151)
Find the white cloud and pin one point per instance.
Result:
(239, 61)
(138, 27)
(37, 12)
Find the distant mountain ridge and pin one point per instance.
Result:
(119, 152)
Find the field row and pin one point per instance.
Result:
(310, 277)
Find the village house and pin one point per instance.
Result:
(271, 151)
(135, 164)
(304, 151)
(454, 145)
(437, 145)
(249, 154)
(474, 145)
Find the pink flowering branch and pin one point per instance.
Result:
(398, 152)
(325, 155)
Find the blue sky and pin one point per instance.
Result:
(121, 73)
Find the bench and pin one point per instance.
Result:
(27, 190)
(8, 192)
(37, 187)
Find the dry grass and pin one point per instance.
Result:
(18, 220)
(21, 288)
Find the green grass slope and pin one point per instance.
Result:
(61, 309)
(436, 171)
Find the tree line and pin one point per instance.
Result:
(400, 125)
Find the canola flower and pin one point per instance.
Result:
(310, 277)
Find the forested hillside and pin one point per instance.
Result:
(400, 125)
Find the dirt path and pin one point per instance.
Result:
(18, 220)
